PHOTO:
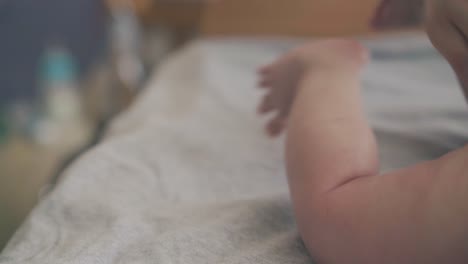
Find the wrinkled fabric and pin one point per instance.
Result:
(187, 175)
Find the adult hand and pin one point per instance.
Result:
(447, 27)
(446, 23)
(398, 13)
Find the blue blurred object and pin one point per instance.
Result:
(57, 65)
(60, 95)
(60, 106)
(27, 27)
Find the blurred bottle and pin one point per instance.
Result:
(60, 90)
(61, 119)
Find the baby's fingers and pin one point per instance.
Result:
(265, 82)
(271, 67)
(276, 126)
(265, 69)
(267, 104)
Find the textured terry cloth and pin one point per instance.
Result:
(188, 176)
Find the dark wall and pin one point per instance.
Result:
(26, 28)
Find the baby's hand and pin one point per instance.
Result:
(447, 27)
(282, 78)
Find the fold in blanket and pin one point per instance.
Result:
(188, 176)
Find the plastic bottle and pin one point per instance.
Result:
(62, 119)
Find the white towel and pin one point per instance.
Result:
(188, 176)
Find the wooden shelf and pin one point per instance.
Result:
(288, 17)
(174, 14)
(260, 17)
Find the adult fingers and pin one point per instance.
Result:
(458, 15)
(450, 41)
(380, 19)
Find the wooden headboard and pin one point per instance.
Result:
(287, 17)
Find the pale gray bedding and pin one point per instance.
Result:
(188, 176)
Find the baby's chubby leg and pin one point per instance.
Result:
(347, 213)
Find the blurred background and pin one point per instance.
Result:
(66, 68)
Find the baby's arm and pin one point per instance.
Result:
(345, 211)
